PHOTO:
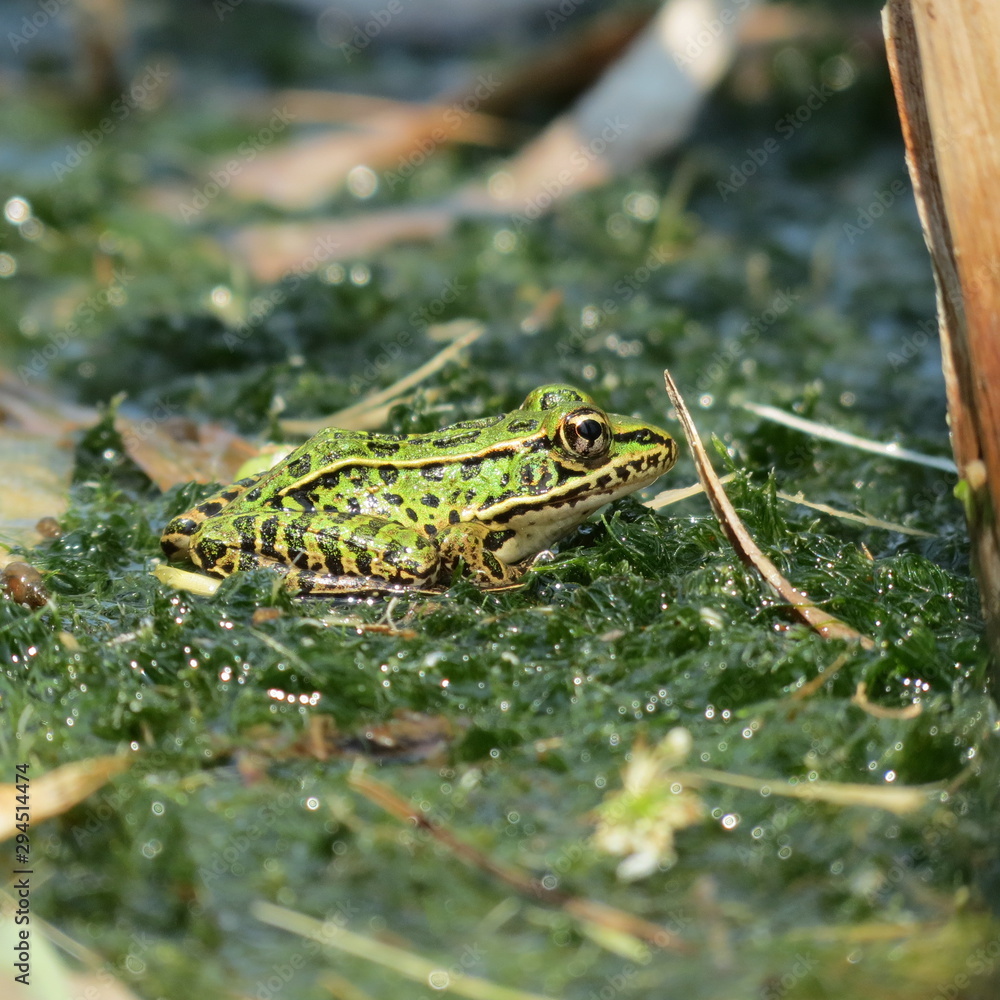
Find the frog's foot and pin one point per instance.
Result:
(475, 545)
(308, 583)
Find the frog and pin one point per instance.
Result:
(362, 512)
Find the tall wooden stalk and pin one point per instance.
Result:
(945, 61)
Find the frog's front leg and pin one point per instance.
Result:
(176, 538)
(336, 553)
(476, 545)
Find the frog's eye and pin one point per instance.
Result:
(585, 434)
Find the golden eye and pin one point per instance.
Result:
(585, 434)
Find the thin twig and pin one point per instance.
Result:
(828, 433)
(811, 687)
(401, 961)
(584, 909)
(897, 799)
(667, 497)
(801, 606)
(349, 416)
(883, 711)
(866, 519)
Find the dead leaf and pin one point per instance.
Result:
(370, 412)
(36, 460)
(898, 799)
(33, 410)
(812, 686)
(589, 911)
(402, 962)
(183, 579)
(35, 471)
(279, 250)
(179, 451)
(99, 986)
(564, 68)
(53, 793)
(827, 433)
(643, 105)
(306, 172)
(362, 110)
(866, 519)
(408, 737)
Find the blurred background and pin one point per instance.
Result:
(168, 167)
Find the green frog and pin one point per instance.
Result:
(357, 512)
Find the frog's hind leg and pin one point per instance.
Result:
(176, 538)
(323, 555)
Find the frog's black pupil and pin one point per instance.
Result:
(589, 429)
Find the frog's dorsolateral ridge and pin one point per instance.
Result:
(356, 512)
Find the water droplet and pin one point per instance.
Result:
(362, 181)
(17, 210)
